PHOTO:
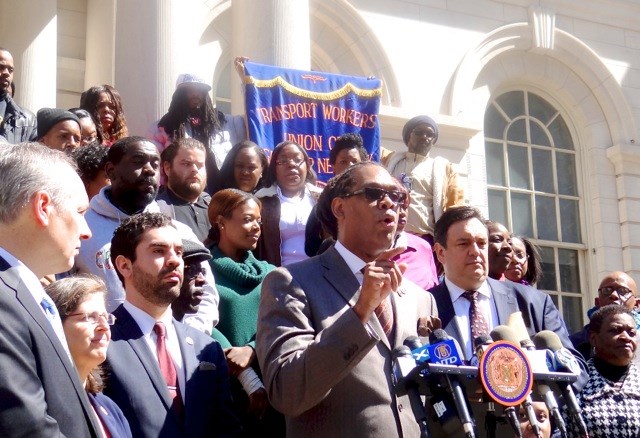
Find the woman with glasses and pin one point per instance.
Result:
(525, 266)
(81, 303)
(235, 230)
(287, 201)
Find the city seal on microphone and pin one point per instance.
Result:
(505, 373)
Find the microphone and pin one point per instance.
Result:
(403, 364)
(548, 340)
(419, 351)
(480, 345)
(445, 350)
(506, 333)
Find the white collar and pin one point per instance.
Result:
(354, 262)
(146, 321)
(456, 291)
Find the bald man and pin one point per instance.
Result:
(616, 288)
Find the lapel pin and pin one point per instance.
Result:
(188, 340)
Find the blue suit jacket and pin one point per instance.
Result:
(111, 416)
(40, 391)
(136, 384)
(538, 312)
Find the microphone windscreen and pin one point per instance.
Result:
(482, 340)
(547, 340)
(413, 342)
(516, 323)
(438, 335)
(504, 333)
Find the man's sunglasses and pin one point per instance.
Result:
(376, 194)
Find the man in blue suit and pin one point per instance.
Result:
(170, 380)
(461, 244)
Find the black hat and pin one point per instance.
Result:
(48, 117)
(194, 252)
(419, 120)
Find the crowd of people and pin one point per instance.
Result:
(183, 283)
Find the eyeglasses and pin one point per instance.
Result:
(421, 133)
(95, 317)
(622, 291)
(520, 257)
(89, 139)
(192, 271)
(296, 162)
(376, 194)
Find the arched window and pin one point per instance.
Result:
(532, 188)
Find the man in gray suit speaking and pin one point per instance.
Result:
(328, 325)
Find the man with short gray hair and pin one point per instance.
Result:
(41, 227)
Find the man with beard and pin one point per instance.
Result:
(182, 197)
(132, 165)
(16, 124)
(169, 379)
(194, 253)
(434, 183)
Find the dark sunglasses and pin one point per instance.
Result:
(376, 194)
(192, 271)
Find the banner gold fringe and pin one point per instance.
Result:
(278, 80)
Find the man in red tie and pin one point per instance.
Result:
(328, 325)
(169, 380)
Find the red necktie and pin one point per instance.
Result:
(477, 320)
(167, 368)
(384, 312)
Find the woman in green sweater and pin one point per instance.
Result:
(235, 229)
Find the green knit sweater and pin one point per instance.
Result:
(238, 285)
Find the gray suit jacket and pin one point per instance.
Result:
(137, 386)
(328, 373)
(40, 391)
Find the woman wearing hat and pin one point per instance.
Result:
(434, 184)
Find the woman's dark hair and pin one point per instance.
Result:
(348, 141)
(68, 294)
(89, 102)
(225, 178)
(598, 317)
(223, 203)
(270, 178)
(90, 159)
(173, 122)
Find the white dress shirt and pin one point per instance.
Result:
(461, 306)
(146, 324)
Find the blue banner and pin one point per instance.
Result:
(312, 109)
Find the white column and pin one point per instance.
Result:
(29, 31)
(100, 43)
(272, 32)
(150, 48)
